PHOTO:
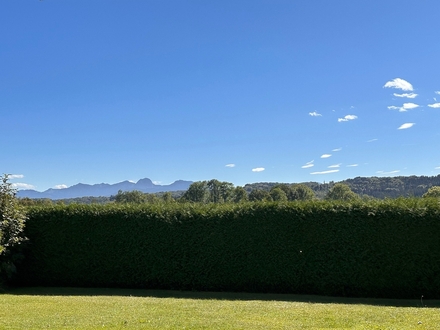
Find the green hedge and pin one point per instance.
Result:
(385, 248)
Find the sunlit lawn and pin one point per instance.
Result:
(67, 308)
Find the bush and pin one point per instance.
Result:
(12, 222)
(385, 248)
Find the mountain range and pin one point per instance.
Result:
(104, 189)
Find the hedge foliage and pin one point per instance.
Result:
(387, 248)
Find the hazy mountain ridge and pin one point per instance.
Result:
(104, 189)
(377, 187)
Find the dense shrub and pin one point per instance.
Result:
(12, 222)
(385, 248)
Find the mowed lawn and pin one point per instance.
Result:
(73, 308)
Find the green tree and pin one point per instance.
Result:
(12, 223)
(278, 195)
(341, 192)
(239, 195)
(258, 195)
(432, 192)
(196, 193)
(301, 192)
(152, 199)
(219, 192)
(167, 197)
(134, 196)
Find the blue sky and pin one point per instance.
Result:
(241, 91)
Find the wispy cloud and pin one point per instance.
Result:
(335, 166)
(315, 114)
(437, 92)
(352, 165)
(16, 176)
(407, 95)
(308, 164)
(437, 168)
(435, 105)
(337, 149)
(60, 186)
(230, 165)
(258, 169)
(372, 140)
(20, 186)
(390, 172)
(347, 118)
(325, 172)
(326, 156)
(406, 125)
(399, 84)
(405, 107)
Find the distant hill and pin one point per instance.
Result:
(104, 189)
(377, 187)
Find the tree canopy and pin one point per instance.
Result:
(341, 192)
(12, 222)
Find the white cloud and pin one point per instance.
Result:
(22, 186)
(399, 84)
(308, 164)
(347, 118)
(315, 114)
(157, 182)
(258, 169)
(405, 107)
(16, 176)
(372, 140)
(230, 165)
(325, 172)
(406, 125)
(337, 149)
(437, 92)
(409, 106)
(408, 95)
(335, 166)
(326, 156)
(437, 168)
(60, 186)
(390, 172)
(435, 105)
(352, 165)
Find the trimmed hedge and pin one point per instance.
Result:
(385, 248)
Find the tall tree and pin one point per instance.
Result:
(12, 223)
(278, 195)
(219, 192)
(196, 193)
(167, 197)
(258, 195)
(301, 192)
(134, 196)
(341, 192)
(432, 192)
(239, 195)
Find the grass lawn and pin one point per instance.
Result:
(73, 308)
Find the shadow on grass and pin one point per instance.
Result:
(66, 291)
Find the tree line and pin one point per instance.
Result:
(215, 191)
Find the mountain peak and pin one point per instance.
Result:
(104, 190)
